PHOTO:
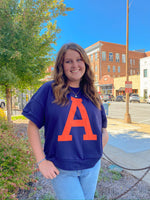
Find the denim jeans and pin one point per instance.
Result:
(76, 185)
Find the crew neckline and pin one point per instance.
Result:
(74, 88)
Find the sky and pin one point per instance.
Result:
(105, 20)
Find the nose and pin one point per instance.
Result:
(74, 64)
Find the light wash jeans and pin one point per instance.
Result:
(76, 185)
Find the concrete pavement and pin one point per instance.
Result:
(129, 146)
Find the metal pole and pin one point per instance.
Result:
(100, 60)
(127, 115)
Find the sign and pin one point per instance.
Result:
(128, 86)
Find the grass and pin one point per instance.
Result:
(102, 176)
(47, 197)
(16, 117)
(116, 175)
(113, 175)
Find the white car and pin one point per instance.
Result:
(148, 100)
(2, 103)
(134, 98)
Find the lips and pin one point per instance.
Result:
(73, 71)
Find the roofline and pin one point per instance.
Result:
(96, 46)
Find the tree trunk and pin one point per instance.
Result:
(8, 98)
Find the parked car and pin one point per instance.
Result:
(148, 100)
(107, 97)
(2, 103)
(120, 98)
(112, 97)
(103, 97)
(134, 98)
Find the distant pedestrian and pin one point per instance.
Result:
(74, 120)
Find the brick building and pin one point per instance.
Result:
(110, 59)
(49, 74)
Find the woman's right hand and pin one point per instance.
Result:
(48, 169)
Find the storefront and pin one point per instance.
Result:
(120, 91)
(119, 85)
(106, 85)
(106, 89)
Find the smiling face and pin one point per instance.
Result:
(74, 67)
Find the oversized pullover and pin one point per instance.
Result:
(73, 133)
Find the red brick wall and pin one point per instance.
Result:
(148, 53)
(121, 49)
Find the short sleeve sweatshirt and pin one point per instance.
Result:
(73, 133)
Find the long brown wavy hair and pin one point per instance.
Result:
(60, 85)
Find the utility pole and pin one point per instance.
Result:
(127, 115)
(100, 61)
(100, 58)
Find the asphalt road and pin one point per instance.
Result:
(139, 112)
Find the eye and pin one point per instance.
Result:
(68, 61)
(79, 60)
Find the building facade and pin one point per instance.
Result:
(145, 77)
(110, 59)
(119, 85)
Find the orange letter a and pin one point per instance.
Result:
(71, 122)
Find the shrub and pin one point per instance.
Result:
(16, 162)
(2, 115)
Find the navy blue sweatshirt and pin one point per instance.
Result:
(73, 133)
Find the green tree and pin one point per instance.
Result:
(28, 31)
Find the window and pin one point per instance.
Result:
(104, 55)
(133, 61)
(96, 56)
(95, 68)
(96, 77)
(114, 69)
(130, 71)
(110, 56)
(108, 68)
(119, 69)
(123, 58)
(145, 72)
(92, 58)
(117, 57)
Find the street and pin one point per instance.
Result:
(139, 112)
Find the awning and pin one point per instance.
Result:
(106, 85)
(121, 89)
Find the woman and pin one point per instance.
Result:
(74, 119)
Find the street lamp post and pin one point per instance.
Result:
(100, 58)
(127, 115)
(100, 61)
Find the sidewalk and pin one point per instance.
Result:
(129, 146)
